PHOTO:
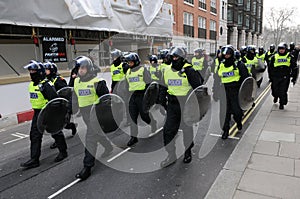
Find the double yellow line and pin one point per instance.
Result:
(233, 130)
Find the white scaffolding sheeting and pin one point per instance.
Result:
(133, 17)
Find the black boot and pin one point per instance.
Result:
(32, 163)
(171, 159)
(84, 173)
(187, 156)
(239, 125)
(53, 146)
(132, 141)
(73, 127)
(61, 156)
(281, 107)
(225, 134)
(275, 99)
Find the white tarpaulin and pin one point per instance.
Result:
(133, 17)
(150, 9)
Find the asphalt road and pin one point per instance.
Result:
(126, 173)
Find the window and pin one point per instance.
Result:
(213, 6)
(202, 4)
(201, 27)
(213, 30)
(248, 5)
(188, 27)
(240, 19)
(189, 1)
(188, 19)
(259, 12)
(254, 8)
(247, 22)
(202, 22)
(223, 10)
(253, 25)
(230, 15)
(240, 2)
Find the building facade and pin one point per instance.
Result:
(196, 24)
(244, 22)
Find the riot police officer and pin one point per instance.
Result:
(41, 91)
(261, 54)
(199, 62)
(232, 74)
(88, 88)
(153, 69)
(138, 78)
(280, 70)
(268, 56)
(180, 79)
(117, 68)
(294, 52)
(59, 82)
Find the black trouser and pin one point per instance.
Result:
(36, 138)
(172, 124)
(280, 86)
(232, 106)
(92, 138)
(136, 109)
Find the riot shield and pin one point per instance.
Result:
(150, 96)
(54, 116)
(65, 92)
(258, 71)
(247, 93)
(107, 113)
(121, 89)
(196, 105)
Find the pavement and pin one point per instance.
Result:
(266, 162)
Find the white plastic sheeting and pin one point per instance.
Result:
(124, 16)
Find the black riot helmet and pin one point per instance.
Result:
(292, 46)
(39, 68)
(51, 66)
(282, 45)
(250, 52)
(237, 55)
(178, 55)
(227, 50)
(134, 57)
(198, 53)
(83, 61)
(36, 65)
(153, 58)
(163, 53)
(272, 48)
(261, 50)
(116, 53)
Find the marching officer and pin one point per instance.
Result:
(88, 88)
(118, 68)
(280, 70)
(199, 62)
(294, 52)
(154, 68)
(232, 74)
(180, 79)
(138, 78)
(59, 82)
(261, 54)
(268, 56)
(41, 91)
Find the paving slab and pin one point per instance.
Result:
(270, 184)
(273, 164)
(268, 148)
(290, 150)
(246, 195)
(277, 136)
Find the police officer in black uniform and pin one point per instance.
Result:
(268, 56)
(88, 88)
(59, 82)
(232, 74)
(41, 91)
(294, 52)
(138, 79)
(118, 68)
(280, 73)
(180, 79)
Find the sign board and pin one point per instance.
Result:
(54, 49)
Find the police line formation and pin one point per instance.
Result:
(171, 81)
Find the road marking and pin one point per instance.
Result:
(231, 137)
(19, 136)
(250, 111)
(64, 188)
(119, 154)
(157, 131)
